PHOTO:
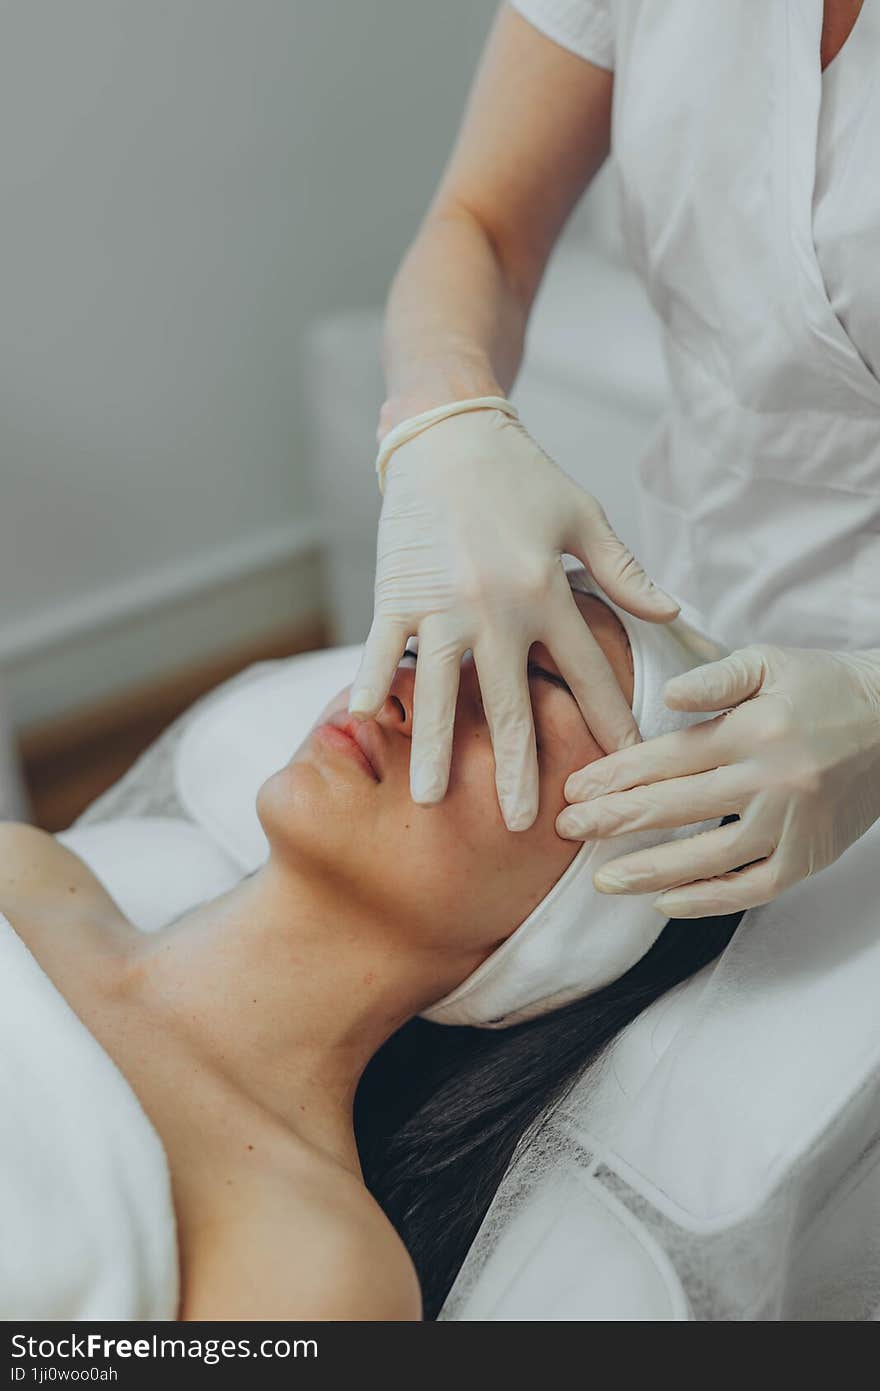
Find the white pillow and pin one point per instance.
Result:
(154, 867)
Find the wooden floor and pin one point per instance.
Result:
(69, 762)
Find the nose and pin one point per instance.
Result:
(396, 712)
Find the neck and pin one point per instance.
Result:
(290, 991)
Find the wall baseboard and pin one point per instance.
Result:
(84, 615)
(88, 686)
(98, 646)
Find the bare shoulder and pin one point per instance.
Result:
(28, 840)
(367, 1272)
(29, 858)
(317, 1247)
(36, 869)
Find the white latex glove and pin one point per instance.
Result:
(798, 759)
(474, 524)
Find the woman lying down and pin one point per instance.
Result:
(331, 1155)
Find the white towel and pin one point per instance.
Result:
(87, 1226)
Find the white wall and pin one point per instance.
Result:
(185, 184)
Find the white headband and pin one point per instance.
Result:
(578, 939)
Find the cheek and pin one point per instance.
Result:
(541, 857)
(463, 875)
(472, 798)
(446, 861)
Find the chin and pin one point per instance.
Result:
(282, 798)
(299, 813)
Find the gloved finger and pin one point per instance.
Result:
(659, 805)
(729, 893)
(588, 673)
(435, 694)
(694, 749)
(595, 542)
(508, 705)
(681, 862)
(379, 660)
(714, 685)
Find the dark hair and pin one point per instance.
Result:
(440, 1109)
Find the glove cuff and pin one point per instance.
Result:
(414, 424)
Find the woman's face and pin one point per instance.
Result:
(451, 874)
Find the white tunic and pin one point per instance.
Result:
(750, 198)
(87, 1222)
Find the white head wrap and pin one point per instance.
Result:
(578, 939)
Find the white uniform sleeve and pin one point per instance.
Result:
(583, 26)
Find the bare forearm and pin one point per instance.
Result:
(454, 323)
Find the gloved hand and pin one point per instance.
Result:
(798, 758)
(474, 524)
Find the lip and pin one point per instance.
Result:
(361, 735)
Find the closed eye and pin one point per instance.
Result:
(554, 679)
(532, 669)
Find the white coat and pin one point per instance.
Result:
(750, 196)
